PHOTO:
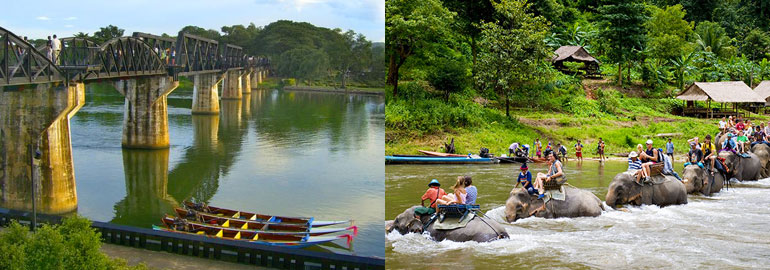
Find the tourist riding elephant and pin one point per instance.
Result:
(577, 203)
(696, 179)
(624, 190)
(741, 168)
(763, 152)
(479, 229)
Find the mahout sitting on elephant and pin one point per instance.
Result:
(576, 203)
(480, 228)
(662, 190)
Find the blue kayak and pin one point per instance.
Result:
(437, 160)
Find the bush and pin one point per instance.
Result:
(71, 245)
(448, 76)
(609, 101)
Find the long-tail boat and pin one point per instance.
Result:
(255, 217)
(260, 228)
(282, 240)
(439, 154)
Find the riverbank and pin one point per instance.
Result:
(427, 122)
(329, 89)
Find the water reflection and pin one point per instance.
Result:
(301, 154)
(146, 177)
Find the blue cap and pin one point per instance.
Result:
(434, 182)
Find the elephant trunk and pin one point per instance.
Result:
(611, 200)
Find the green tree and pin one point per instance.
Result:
(410, 27)
(448, 75)
(668, 32)
(240, 35)
(756, 45)
(470, 14)
(682, 66)
(710, 37)
(81, 35)
(622, 28)
(303, 63)
(198, 31)
(512, 49)
(107, 33)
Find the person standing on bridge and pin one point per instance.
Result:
(48, 50)
(56, 46)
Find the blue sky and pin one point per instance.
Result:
(40, 18)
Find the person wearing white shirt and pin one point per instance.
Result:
(722, 125)
(56, 46)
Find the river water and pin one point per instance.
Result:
(727, 230)
(274, 152)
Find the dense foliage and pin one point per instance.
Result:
(649, 51)
(71, 245)
(315, 54)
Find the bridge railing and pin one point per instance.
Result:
(21, 64)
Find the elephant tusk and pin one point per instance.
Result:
(685, 180)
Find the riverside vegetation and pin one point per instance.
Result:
(462, 75)
(70, 245)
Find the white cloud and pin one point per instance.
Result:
(43, 18)
(71, 18)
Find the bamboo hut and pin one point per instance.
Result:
(575, 54)
(734, 92)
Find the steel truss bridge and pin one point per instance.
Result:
(138, 55)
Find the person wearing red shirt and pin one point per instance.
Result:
(433, 193)
(740, 126)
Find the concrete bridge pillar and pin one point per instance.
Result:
(232, 85)
(38, 116)
(254, 82)
(206, 94)
(259, 76)
(246, 83)
(145, 119)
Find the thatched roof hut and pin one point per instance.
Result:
(573, 54)
(763, 90)
(725, 92)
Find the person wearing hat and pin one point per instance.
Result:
(635, 165)
(525, 179)
(730, 144)
(649, 157)
(433, 193)
(695, 156)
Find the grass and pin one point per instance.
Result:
(421, 120)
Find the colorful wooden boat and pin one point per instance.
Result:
(438, 160)
(281, 240)
(263, 218)
(260, 228)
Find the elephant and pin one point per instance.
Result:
(578, 203)
(479, 229)
(693, 178)
(624, 190)
(743, 169)
(763, 152)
